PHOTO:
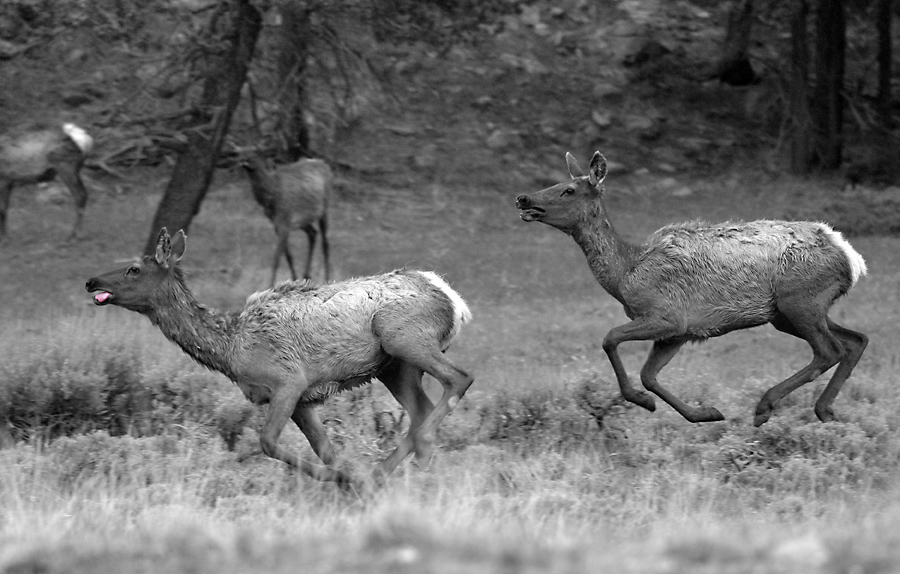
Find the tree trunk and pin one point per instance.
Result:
(828, 113)
(801, 128)
(883, 23)
(221, 94)
(734, 67)
(292, 55)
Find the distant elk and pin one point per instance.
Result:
(41, 155)
(693, 281)
(293, 196)
(296, 345)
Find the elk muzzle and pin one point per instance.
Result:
(102, 298)
(529, 211)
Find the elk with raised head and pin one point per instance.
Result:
(692, 281)
(41, 155)
(296, 345)
(293, 196)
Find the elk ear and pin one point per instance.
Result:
(163, 247)
(179, 244)
(574, 169)
(598, 169)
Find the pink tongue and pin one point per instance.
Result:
(101, 297)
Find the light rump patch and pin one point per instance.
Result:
(81, 138)
(858, 266)
(461, 312)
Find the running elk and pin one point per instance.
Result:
(693, 281)
(293, 196)
(41, 155)
(296, 345)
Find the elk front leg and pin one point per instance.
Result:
(311, 234)
(281, 405)
(70, 177)
(667, 340)
(610, 343)
(660, 355)
(311, 426)
(282, 246)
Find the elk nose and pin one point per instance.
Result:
(522, 201)
(89, 286)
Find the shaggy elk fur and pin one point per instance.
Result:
(293, 196)
(296, 345)
(37, 156)
(692, 281)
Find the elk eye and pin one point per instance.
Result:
(133, 270)
(568, 191)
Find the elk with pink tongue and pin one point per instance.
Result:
(295, 345)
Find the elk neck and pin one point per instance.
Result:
(204, 334)
(609, 256)
(263, 185)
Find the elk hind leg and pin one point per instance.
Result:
(808, 321)
(404, 381)
(412, 347)
(854, 344)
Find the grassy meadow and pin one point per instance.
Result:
(125, 454)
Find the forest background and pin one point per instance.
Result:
(122, 455)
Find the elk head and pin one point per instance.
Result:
(138, 285)
(565, 204)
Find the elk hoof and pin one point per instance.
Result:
(346, 483)
(424, 454)
(708, 415)
(760, 418)
(249, 454)
(825, 414)
(642, 399)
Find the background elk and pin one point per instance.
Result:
(41, 155)
(692, 281)
(293, 196)
(295, 345)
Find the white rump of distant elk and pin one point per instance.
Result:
(41, 155)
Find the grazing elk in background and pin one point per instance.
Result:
(293, 196)
(296, 345)
(41, 155)
(693, 281)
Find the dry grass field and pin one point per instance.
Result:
(118, 454)
(541, 468)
